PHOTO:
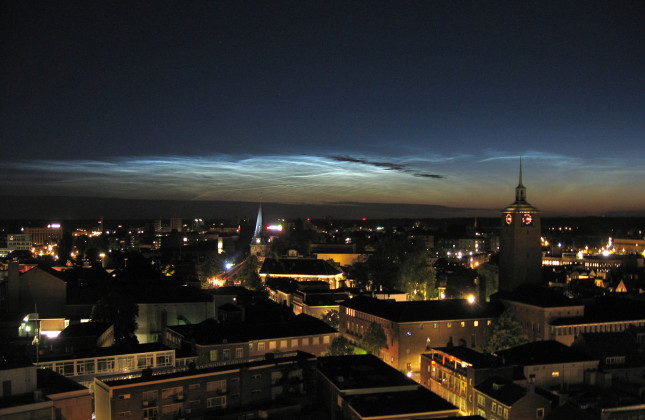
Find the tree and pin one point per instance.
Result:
(331, 317)
(488, 278)
(340, 346)
(417, 277)
(248, 274)
(505, 332)
(383, 263)
(358, 273)
(374, 338)
(120, 310)
(213, 265)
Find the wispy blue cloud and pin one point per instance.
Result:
(476, 181)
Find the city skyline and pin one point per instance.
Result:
(327, 104)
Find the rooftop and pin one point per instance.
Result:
(210, 332)
(399, 403)
(183, 373)
(51, 382)
(427, 310)
(501, 390)
(542, 353)
(298, 266)
(104, 352)
(84, 329)
(476, 359)
(361, 372)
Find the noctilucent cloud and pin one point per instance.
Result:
(327, 102)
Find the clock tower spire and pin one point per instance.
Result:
(520, 190)
(520, 253)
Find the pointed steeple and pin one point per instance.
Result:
(520, 190)
(259, 227)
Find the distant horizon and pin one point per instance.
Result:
(63, 208)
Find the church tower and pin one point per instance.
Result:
(520, 253)
(259, 246)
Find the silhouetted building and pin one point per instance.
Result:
(520, 258)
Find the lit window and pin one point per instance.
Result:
(555, 374)
(476, 323)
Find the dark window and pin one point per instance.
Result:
(6, 389)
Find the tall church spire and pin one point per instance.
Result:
(259, 227)
(260, 244)
(520, 190)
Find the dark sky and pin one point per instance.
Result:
(324, 102)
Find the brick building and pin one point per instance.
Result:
(412, 328)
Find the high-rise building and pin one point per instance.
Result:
(45, 235)
(520, 253)
(176, 224)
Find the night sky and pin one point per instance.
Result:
(323, 102)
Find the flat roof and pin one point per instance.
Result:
(425, 310)
(211, 332)
(502, 390)
(415, 402)
(542, 353)
(186, 372)
(361, 372)
(105, 352)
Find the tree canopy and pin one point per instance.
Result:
(340, 346)
(374, 338)
(417, 277)
(331, 317)
(397, 263)
(504, 332)
(248, 274)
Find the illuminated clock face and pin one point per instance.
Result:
(527, 219)
(509, 218)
